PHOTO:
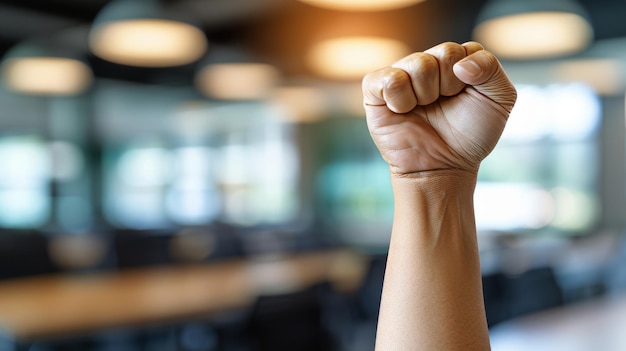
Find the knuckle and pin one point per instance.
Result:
(450, 53)
(368, 80)
(395, 79)
(426, 67)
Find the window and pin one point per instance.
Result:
(543, 173)
(240, 167)
(24, 182)
(354, 198)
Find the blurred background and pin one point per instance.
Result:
(144, 136)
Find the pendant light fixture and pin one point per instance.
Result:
(231, 74)
(143, 33)
(351, 57)
(529, 29)
(362, 5)
(48, 66)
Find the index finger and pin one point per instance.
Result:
(391, 87)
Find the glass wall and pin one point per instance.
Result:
(25, 199)
(171, 158)
(543, 175)
(183, 161)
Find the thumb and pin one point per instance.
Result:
(483, 71)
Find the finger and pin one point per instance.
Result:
(423, 70)
(483, 71)
(389, 86)
(472, 47)
(447, 54)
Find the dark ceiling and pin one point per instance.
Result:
(276, 30)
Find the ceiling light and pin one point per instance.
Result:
(362, 5)
(300, 104)
(605, 76)
(46, 75)
(35, 68)
(237, 81)
(142, 33)
(230, 73)
(353, 57)
(533, 28)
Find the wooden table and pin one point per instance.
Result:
(598, 324)
(56, 305)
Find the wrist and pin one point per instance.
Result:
(443, 182)
(429, 199)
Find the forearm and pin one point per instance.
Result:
(432, 295)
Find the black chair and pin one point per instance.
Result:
(138, 248)
(365, 302)
(287, 322)
(23, 254)
(509, 296)
(534, 290)
(370, 291)
(494, 293)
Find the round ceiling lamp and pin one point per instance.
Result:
(142, 33)
(349, 58)
(229, 73)
(46, 68)
(300, 104)
(362, 5)
(533, 28)
(604, 75)
(237, 81)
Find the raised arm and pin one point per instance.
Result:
(434, 116)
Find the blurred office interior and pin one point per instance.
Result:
(230, 198)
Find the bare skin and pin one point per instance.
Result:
(434, 116)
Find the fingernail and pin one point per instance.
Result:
(470, 67)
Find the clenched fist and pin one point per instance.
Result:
(441, 109)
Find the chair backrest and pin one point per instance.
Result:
(509, 296)
(370, 291)
(289, 321)
(534, 290)
(24, 254)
